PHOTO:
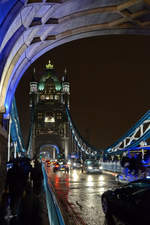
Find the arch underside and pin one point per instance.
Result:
(38, 27)
(45, 141)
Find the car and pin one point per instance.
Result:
(129, 203)
(92, 166)
(76, 164)
(48, 164)
(61, 167)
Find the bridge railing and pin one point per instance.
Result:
(112, 166)
(54, 214)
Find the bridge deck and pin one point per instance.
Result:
(33, 210)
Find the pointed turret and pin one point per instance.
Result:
(65, 88)
(33, 90)
(33, 83)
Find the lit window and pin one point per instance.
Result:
(56, 97)
(49, 119)
(47, 97)
(39, 115)
(42, 97)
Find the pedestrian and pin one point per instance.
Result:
(37, 177)
(26, 166)
(125, 163)
(15, 186)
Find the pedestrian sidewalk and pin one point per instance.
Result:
(33, 210)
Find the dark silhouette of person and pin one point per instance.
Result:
(15, 186)
(135, 164)
(37, 177)
(125, 163)
(26, 166)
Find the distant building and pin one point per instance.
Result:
(48, 99)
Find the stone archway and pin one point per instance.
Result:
(51, 150)
(28, 29)
(52, 142)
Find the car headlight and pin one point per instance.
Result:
(90, 167)
(100, 167)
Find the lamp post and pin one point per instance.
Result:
(9, 138)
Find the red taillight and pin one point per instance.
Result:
(57, 166)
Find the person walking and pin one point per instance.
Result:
(37, 177)
(15, 186)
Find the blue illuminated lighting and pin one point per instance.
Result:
(11, 91)
(54, 146)
(6, 115)
(121, 177)
(136, 148)
(6, 5)
(6, 18)
(8, 47)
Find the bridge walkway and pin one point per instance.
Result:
(33, 210)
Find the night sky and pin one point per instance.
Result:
(109, 80)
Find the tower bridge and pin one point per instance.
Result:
(51, 124)
(48, 98)
(29, 29)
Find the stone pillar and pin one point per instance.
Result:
(54, 153)
(66, 147)
(9, 140)
(66, 141)
(33, 146)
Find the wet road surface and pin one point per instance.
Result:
(79, 195)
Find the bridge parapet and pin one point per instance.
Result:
(112, 167)
(3, 156)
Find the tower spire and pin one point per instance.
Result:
(49, 65)
(65, 71)
(33, 75)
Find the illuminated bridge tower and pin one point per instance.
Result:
(51, 131)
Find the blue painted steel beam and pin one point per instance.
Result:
(8, 16)
(136, 148)
(78, 133)
(142, 138)
(8, 47)
(132, 130)
(16, 133)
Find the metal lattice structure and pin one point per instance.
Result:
(137, 135)
(82, 144)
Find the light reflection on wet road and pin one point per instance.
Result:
(80, 194)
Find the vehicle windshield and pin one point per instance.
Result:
(93, 163)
